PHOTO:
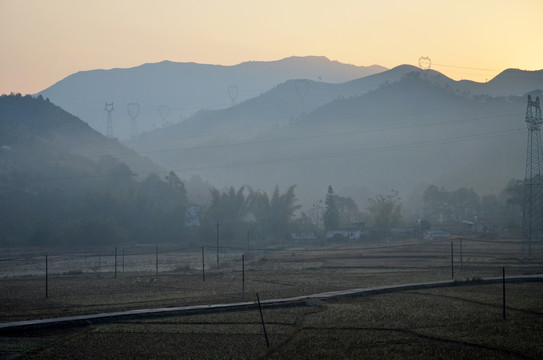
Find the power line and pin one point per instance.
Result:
(361, 151)
(467, 67)
(307, 137)
(434, 142)
(388, 116)
(440, 109)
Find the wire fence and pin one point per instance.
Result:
(167, 258)
(134, 276)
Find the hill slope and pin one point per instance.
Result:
(184, 88)
(63, 183)
(282, 105)
(421, 129)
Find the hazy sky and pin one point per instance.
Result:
(43, 41)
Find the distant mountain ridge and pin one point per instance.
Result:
(37, 134)
(64, 184)
(400, 128)
(510, 82)
(283, 106)
(182, 89)
(397, 129)
(280, 106)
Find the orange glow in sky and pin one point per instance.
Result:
(42, 42)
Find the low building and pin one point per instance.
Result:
(347, 234)
(436, 234)
(302, 236)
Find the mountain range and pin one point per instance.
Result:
(168, 92)
(42, 141)
(401, 129)
(363, 130)
(64, 184)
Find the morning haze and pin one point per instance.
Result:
(283, 180)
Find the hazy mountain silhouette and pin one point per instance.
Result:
(508, 82)
(184, 88)
(39, 139)
(288, 101)
(414, 127)
(427, 131)
(64, 184)
(282, 105)
(398, 128)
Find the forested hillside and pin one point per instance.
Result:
(56, 188)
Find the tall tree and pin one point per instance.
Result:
(435, 203)
(385, 211)
(513, 195)
(230, 208)
(348, 211)
(464, 203)
(445, 207)
(331, 212)
(259, 207)
(282, 208)
(179, 199)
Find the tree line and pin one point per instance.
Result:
(50, 195)
(117, 209)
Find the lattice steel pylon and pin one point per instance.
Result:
(133, 111)
(109, 108)
(532, 213)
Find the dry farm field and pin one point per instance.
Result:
(456, 322)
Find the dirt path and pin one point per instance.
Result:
(104, 317)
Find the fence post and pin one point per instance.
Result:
(218, 225)
(156, 260)
(203, 266)
(123, 260)
(452, 261)
(262, 319)
(46, 277)
(503, 292)
(243, 276)
(461, 254)
(115, 262)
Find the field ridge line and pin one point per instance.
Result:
(269, 302)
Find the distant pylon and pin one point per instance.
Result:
(164, 111)
(532, 213)
(109, 108)
(133, 111)
(425, 63)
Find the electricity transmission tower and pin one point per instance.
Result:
(164, 111)
(133, 111)
(532, 214)
(109, 108)
(425, 63)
